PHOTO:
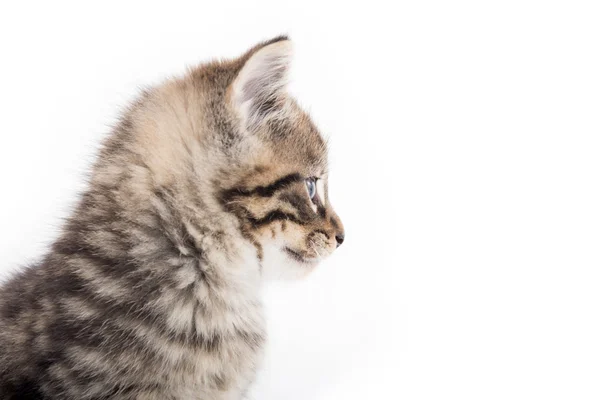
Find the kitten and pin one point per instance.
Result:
(209, 184)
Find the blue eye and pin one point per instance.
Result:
(311, 186)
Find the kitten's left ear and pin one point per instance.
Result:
(258, 91)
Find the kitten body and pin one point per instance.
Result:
(152, 291)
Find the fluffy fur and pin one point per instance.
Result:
(152, 291)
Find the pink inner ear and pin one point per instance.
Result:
(259, 88)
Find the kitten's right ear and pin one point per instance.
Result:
(258, 90)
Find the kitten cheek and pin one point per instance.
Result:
(287, 234)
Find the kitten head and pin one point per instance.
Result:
(226, 156)
(278, 189)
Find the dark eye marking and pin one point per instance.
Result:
(322, 210)
(263, 191)
(299, 203)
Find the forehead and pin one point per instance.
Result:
(297, 141)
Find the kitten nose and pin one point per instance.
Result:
(340, 239)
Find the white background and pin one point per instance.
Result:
(465, 158)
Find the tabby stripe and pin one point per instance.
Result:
(300, 203)
(131, 307)
(277, 215)
(263, 191)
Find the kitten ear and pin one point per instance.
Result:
(258, 90)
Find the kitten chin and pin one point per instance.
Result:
(282, 264)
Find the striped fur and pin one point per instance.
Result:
(152, 290)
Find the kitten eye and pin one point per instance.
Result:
(311, 186)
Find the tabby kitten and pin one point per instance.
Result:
(209, 183)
